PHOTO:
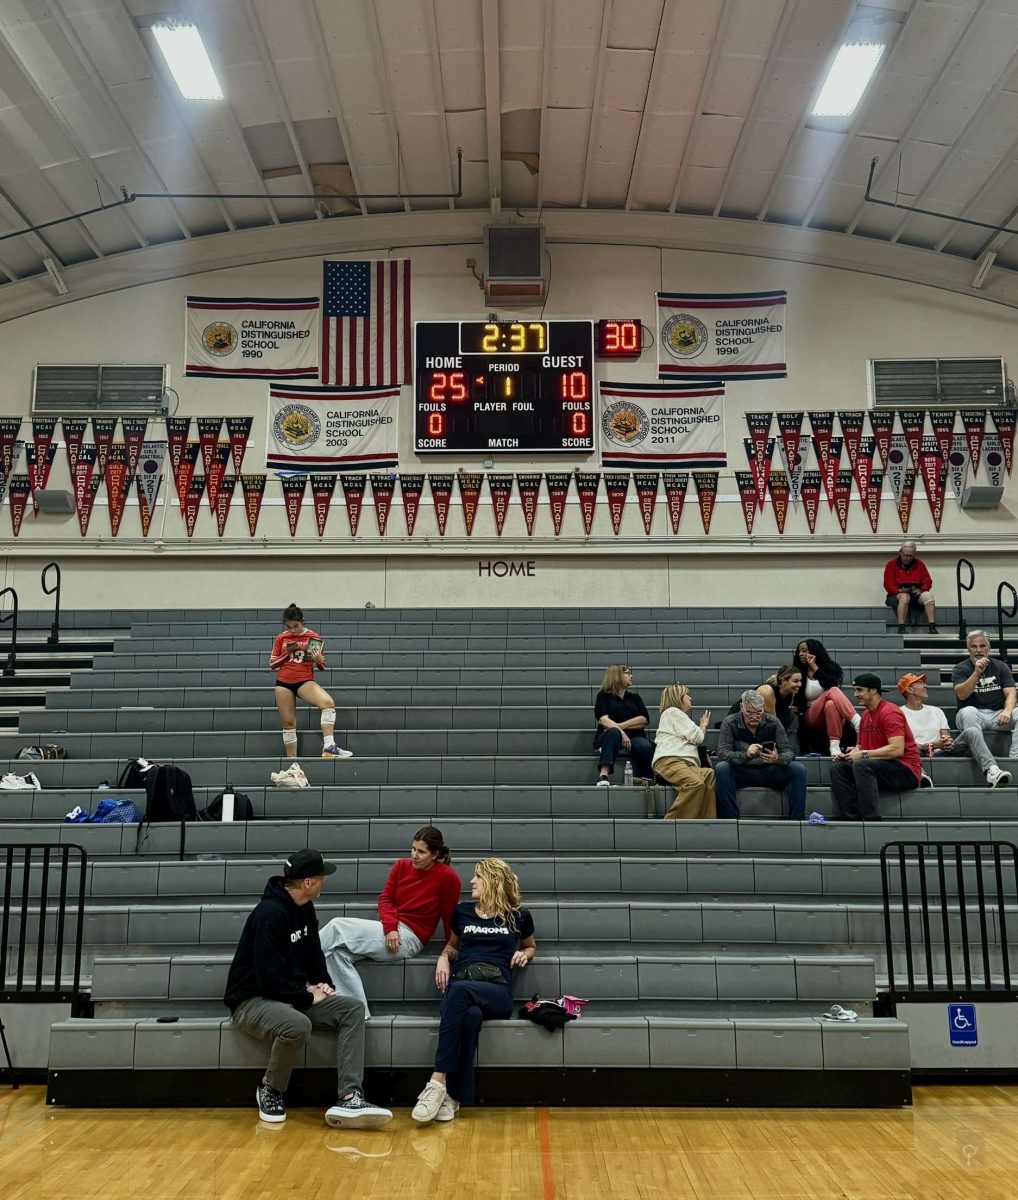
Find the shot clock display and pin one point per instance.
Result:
(504, 385)
(619, 338)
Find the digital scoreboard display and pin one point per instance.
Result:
(504, 385)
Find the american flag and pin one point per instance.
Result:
(366, 328)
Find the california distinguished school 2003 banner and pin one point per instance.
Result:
(644, 425)
(332, 428)
(721, 336)
(252, 337)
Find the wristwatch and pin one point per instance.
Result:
(865, 754)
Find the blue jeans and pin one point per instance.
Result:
(609, 742)
(465, 1007)
(729, 777)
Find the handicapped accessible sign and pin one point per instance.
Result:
(961, 1023)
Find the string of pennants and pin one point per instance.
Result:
(853, 458)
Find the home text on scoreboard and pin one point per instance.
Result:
(512, 386)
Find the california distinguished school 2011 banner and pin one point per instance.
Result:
(680, 424)
(252, 337)
(332, 428)
(721, 335)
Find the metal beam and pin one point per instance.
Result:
(595, 103)
(638, 153)
(383, 83)
(436, 71)
(492, 102)
(549, 26)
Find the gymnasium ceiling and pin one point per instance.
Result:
(695, 108)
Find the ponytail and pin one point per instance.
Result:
(432, 838)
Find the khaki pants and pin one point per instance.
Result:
(694, 789)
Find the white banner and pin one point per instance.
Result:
(646, 425)
(332, 428)
(721, 336)
(252, 338)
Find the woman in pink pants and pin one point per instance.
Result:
(822, 706)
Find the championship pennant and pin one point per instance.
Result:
(645, 483)
(178, 430)
(322, 489)
(675, 485)
(760, 467)
(851, 431)
(74, 435)
(829, 468)
(134, 439)
(779, 489)
(871, 498)
(410, 488)
(905, 498)
(10, 447)
(558, 493)
(147, 481)
(470, 484)
(897, 464)
(103, 429)
(974, 421)
(759, 425)
(209, 429)
(185, 472)
(382, 488)
(809, 493)
(227, 486)
(83, 479)
(529, 487)
(586, 489)
(942, 421)
(18, 490)
(993, 459)
(39, 468)
(746, 484)
(441, 497)
(1004, 423)
(616, 489)
(790, 428)
(118, 484)
(822, 426)
(192, 502)
(501, 489)
(254, 491)
(353, 493)
(913, 422)
(882, 425)
(842, 497)
(863, 465)
(238, 429)
(933, 470)
(293, 498)
(42, 441)
(215, 471)
(958, 464)
(706, 484)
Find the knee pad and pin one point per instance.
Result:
(289, 737)
(328, 716)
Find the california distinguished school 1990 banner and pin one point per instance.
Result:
(251, 337)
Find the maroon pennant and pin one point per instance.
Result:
(39, 469)
(354, 487)
(558, 491)
(822, 425)
(942, 421)
(323, 488)
(871, 498)
(118, 484)
(933, 469)
(1004, 422)
(746, 484)
(209, 429)
(74, 435)
(470, 484)
(177, 431)
(905, 502)
(224, 498)
(10, 427)
(18, 491)
(974, 420)
(759, 424)
(587, 483)
(103, 429)
(780, 495)
(192, 502)
(790, 428)
(254, 491)
(238, 430)
(382, 488)
(616, 488)
(809, 494)
(410, 488)
(759, 468)
(851, 430)
(863, 465)
(882, 424)
(829, 468)
(843, 497)
(215, 472)
(293, 497)
(185, 471)
(134, 436)
(675, 484)
(706, 484)
(501, 489)
(86, 487)
(441, 497)
(913, 421)
(646, 496)
(42, 437)
(144, 512)
(529, 487)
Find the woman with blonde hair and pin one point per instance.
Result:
(621, 718)
(491, 934)
(677, 759)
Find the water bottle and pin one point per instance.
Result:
(227, 814)
(627, 774)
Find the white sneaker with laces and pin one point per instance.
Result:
(448, 1110)
(996, 778)
(603, 781)
(429, 1102)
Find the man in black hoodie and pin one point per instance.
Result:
(279, 989)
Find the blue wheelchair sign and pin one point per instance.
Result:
(961, 1023)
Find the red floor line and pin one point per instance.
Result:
(547, 1174)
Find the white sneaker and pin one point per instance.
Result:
(448, 1110)
(995, 777)
(429, 1102)
(603, 781)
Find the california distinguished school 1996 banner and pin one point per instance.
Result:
(332, 428)
(680, 424)
(721, 336)
(251, 337)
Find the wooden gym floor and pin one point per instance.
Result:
(958, 1143)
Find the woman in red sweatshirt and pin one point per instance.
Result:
(421, 891)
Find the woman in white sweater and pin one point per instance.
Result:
(677, 760)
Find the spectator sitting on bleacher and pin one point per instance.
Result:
(296, 653)
(421, 891)
(886, 759)
(779, 692)
(622, 721)
(491, 935)
(677, 758)
(986, 690)
(932, 732)
(822, 706)
(279, 989)
(906, 579)
(753, 751)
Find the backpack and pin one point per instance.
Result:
(133, 775)
(243, 810)
(170, 797)
(41, 752)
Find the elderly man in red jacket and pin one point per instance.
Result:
(904, 577)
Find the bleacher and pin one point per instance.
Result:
(708, 950)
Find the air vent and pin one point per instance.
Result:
(99, 388)
(514, 264)
(937, 382)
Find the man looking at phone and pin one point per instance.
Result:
(885, 760)
(754, 751)
(907, 580)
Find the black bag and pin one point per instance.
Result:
(548, 1013)
(133, 775)
(35, 753)
(243, 809)
(479, 972)
(170, 797)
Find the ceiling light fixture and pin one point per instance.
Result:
(188, 60)
(848, 78)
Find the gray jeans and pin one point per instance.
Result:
(971, 717)
(347, 940)
(288, 1030)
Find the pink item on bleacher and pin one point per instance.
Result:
(573, 1005)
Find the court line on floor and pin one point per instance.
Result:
(547, 1173)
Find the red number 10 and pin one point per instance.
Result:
(574, 386)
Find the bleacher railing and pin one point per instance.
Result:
(947, 902)
(963, 587)
(12, 616)
(49, 590)
(1003, 612)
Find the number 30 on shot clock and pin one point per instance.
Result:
(504, 385)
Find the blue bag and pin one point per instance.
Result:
(115, 812)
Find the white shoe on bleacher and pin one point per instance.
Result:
(996, 778)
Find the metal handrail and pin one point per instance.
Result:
(12, 616)
(963, 587)
(1002, 613)
(54, 633)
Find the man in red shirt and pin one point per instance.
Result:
(905, 578)
(886, 758)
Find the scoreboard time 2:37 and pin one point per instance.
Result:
(504, 385)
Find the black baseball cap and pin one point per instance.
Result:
(306, 864)
(868, 680)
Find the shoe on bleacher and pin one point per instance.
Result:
(996, 778)
(925, 781)
(603, 781)
(271, 1105)
(335, 751)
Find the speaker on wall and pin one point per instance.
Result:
(54, 500)
(983, 496)
(514, 263)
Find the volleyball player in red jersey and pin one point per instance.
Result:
(296, 653)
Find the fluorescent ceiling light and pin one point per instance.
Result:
(188, 60)
(847, 79)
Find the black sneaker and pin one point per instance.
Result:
(933, 629)
(271, 1105)
(356, 1113)
(901, 628)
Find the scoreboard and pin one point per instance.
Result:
(504, 385)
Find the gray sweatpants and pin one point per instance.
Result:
(288, 1030)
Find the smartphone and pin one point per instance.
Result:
(767, 746)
